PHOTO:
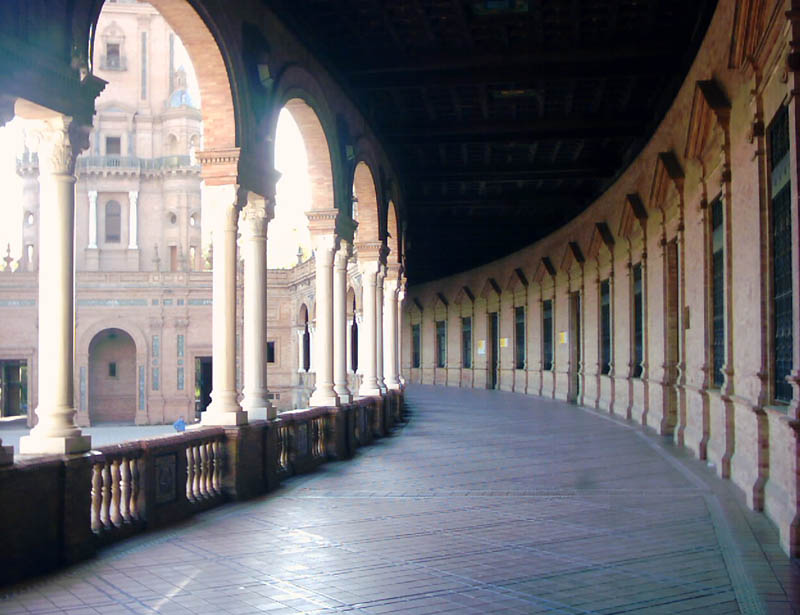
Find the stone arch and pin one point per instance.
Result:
(315, 139)
(365, 190)
(83, 383)
(303, 323)
(221, 129)
(171, 144)
(298, 91)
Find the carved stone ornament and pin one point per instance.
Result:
(256, 215)
(52, 139)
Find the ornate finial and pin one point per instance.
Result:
(8, 260)
(299, 255)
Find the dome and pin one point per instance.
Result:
(181, 98)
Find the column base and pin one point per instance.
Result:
(261, 413)
(6, 454)
(323, 398)
(343, 393)
(258, 407)
(232, 418)
(394, 386)
(369, 392)
(34, 444)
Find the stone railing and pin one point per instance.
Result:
(74, 505)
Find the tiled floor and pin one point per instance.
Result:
(485, 502)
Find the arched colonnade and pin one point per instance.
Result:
(243, 86)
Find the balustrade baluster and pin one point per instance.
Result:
(218, 467)
(114, 504)
(197, 469)
(97, 485)
(190, 474)
(134, 491)
(125, 490)
(106, 495)
(203, 470)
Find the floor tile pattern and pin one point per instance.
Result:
(484, 502)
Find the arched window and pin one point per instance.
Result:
(113, 222)
(306, 345)
(354, 341)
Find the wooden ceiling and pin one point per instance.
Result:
(503, 118)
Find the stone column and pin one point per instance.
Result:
(340, 336)
(379, 328)
(255, 218)
(367, 358)
(401, 295)
(390, 332)
(133, 220)
(224, 408)
(322, 225)
(92, 220)
(56, 432)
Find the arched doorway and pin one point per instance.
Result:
(112, 377)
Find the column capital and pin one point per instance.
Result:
(369, 270)
(256, 215)
(343, 254)
(390, 285)
(58, 140)
(326, 244)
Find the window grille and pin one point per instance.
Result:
(441, 343)
(547, 335)
(717, 293)
(782, 296)
(605, 327)
(113, 222)
(466, 341)
(415, 342)
(519, 337)
(638, 324)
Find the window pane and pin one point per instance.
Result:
(605, 327)
(415, 345)
(113, 221)
(466, 342)
(638, 317)
(717, 294)
(547, 335)
(519, 337)
(441, 343)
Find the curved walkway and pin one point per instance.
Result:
(485, 502)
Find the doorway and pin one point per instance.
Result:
(13, 388)
(112, 377)
(494, 349)
(202, 384)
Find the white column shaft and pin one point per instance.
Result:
(224, 408)
(340, 326)
(256, 396)
(379, 330)
(56, 431)
(324, 394)
(133, 220)
(390, 337)
(367, 360)
(92, 219)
